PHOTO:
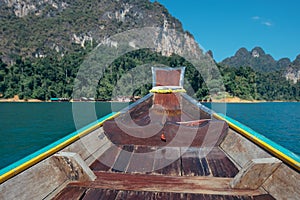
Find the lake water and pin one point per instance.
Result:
(278, 121)
(27, 127)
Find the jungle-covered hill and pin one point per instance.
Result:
(43, 43)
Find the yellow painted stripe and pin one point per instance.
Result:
(262, 144)
(166, 91)
(52, 151)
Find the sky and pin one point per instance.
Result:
(224, 26)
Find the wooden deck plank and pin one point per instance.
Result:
(155, 195)
(106, 160)
(230, 169)
(177, 196)
(204, 163)
(163, 162)
(134, 195)
(167, 161)
(128, 195)
(264, 197)
(160, 183)
(219, 164)
(74, 193)
(142, 160)
(123, 159)
(217, 170)
(173, 169)
(77, 192)
(100, 194)
(191, 164)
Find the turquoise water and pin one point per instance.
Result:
(27, 127)
(279, 122)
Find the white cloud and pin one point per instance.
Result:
(255, 17)
(267, 23)
(262, 20)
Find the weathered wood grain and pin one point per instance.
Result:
(159, 183)
(220, 165)
(106, 160)
(100, 194)
(123, 159)
(142, 160)
(74, 193)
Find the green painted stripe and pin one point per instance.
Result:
(47, 148)
(262, 138)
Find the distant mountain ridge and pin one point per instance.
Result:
(258, 60)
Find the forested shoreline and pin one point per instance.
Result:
(53, 76)
(42, 50)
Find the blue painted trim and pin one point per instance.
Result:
(262, 138)
(43, 150)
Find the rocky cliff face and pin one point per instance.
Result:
(293, 70)
(38, 28)
(292, 74)
(22, 8)
(262, 62)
